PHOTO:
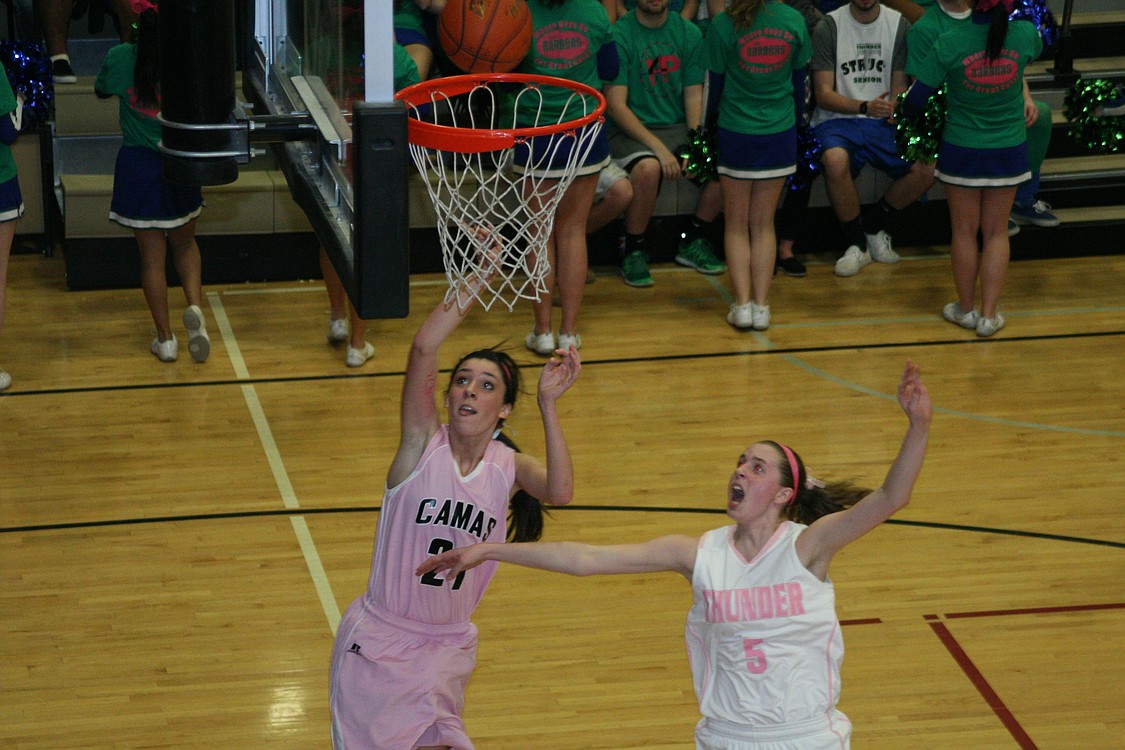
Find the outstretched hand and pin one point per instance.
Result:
(453, 562)
(559, 373)
(913, 396)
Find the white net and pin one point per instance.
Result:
(493, 187)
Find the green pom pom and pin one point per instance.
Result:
(918, 137)
(1102, 135)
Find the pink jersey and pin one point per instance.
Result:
(763, 638)
(436, 509)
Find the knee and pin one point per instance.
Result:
(645, 176)
(837, 164)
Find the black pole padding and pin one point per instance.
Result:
(197, 54)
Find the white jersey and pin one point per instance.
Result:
(763, 639)
(861, 55)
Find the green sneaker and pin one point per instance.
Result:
(699, 255)
(634, 268)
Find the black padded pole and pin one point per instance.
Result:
(197, 54)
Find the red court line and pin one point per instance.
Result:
(1036, 610)
(982, 686)
(867, 621)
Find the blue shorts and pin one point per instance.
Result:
(407, 36)
(141, 197)
(868, 140)
(11, 200)
(548, 155)
(982, 167)
(757, 157)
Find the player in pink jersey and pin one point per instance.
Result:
(762, 634)
(404, 650)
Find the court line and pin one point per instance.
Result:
(277, 465)
(991, 697)
(234, 515)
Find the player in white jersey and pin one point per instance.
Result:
(404, 650)
(762, 633)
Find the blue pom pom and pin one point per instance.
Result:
(1040, 16)
(29, 72)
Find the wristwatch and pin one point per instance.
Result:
(863, 108)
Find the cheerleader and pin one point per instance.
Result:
(11, 201)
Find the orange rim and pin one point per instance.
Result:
(478, 140)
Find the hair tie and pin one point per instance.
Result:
(813, 482)
(793, 467)
(140, 6)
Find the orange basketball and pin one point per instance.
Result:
(485, 36)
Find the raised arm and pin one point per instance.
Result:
(666, 553)
(552, 483)
(831, 533)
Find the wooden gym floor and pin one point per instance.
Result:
(177, 541)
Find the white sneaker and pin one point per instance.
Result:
(853, 261)
(540, 343)
(165, 351)
(952, 313)
(199, 343)
(357, 357)
(337, 330)
(567, 340)
(741, 316)
(988, 326)
(879, 246)
(759, 316)
(5, 380)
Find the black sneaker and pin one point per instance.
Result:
(790, 266)
(62, 71)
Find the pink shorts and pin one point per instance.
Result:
(397, 684)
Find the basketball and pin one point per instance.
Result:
(485, 36)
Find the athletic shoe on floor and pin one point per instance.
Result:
(165, 351)
(199, 343)
(790, 267)
(879, 247)
(357, 357)
(741, 316)
(1038, 214)
(540, 343)
(62, 72)
(1013, 227)
(952, 313)
(853, 261)
(699, 254)
(5, 380)
(759, 317)
(567, 340)
(988, 326)
(337, 330)
(634, 269)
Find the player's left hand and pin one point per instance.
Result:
(559, 374)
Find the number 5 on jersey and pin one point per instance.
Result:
(755, 657)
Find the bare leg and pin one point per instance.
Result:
(911, 186)
(764, 195)
(645, 177)
(54, 17)
(612, 203)
(570, 248)
(839, 183)
(964, 218)
(7, 233)
(337, 296)
(154, 281)
(185, 254)
(736, 235)
(996, 204)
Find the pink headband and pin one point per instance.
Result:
(140, 6)
(792, 459)
(987, 5)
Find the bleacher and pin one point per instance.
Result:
(251, 230)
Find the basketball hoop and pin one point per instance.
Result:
(487, 184)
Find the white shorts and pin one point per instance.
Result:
(610, 174)
(817, 734)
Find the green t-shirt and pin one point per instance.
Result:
(757, 64)
(656, 66)
(922, 35)
(565, 40)
(139, 126)
(984, 105)
(7, 107)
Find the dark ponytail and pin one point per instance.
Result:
(813, 499)
(525, 513)
(146, 73)
(997, 31)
